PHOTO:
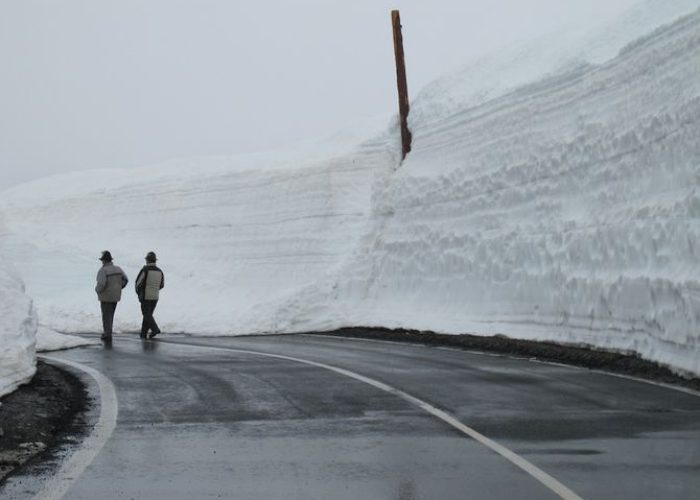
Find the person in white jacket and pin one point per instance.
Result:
(110, 281)
(149, 282)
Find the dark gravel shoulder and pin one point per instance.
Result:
(40, 416)
(623, 364)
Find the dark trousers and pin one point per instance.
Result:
(108, 309)
(149, 323)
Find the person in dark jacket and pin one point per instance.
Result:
(110, 282)
(149, 282)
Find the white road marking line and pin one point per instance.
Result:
(531, 469)
(531, 359)
(73, 467)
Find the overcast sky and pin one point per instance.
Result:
(121, 83)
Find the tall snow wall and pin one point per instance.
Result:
(236, 237)
(18, 326)
(566, 210)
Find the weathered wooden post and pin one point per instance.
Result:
(401, 83)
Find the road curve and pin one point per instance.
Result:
(230, 422)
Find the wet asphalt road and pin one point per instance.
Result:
(196, 423)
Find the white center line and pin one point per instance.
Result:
(531, 469)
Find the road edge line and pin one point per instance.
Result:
(73, 467)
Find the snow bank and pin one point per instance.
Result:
(233, 236)
(494, 75)
(566, 210)
(563, 210)
(50, 340)
(17, 330)
(562, 204)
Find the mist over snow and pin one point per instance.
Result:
(131, 83)
(552, 193)
(518, 64)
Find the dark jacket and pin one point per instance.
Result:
(149, 282)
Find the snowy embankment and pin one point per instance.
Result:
(20, 336)
(566, 210)
(563, 208)
(17, 332)
(233, 236)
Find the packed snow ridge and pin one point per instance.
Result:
(564, 208)
(18, 324)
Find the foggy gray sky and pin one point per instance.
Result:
(93, 84)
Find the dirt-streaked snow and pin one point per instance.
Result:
(560, 203)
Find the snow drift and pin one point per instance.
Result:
(563, 207)
(18, 326)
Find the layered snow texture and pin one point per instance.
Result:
(233, 237)
(18, 324)
(564, 208)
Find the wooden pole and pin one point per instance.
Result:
(401, 83)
